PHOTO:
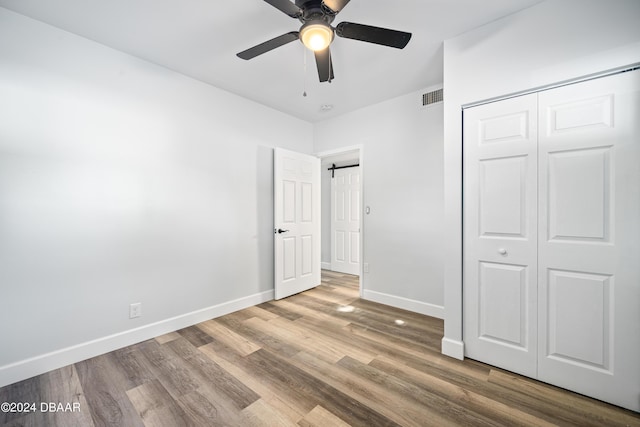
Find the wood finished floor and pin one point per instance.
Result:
(320, 358)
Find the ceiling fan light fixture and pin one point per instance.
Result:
(316, 35)
(316, 32)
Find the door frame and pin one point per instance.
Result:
(342, 150)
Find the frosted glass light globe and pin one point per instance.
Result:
(316, 36)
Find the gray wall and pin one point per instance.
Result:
(123, 182)
(402, 183)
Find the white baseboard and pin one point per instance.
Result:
(325, 265)
(37, 365)
(405, 303)
(453, 348)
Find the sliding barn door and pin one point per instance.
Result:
(500, 234)
(345, 221)
(552, 236)
(589, 238)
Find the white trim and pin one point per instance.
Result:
(325, 265)
(37, 365)
(568, 82)
(337, 151)
(453, 348)
(362, 219)
(405, 304)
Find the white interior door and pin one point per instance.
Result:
(552, 236)
(500, 234)
(589, 238)
(345, 221)
(296, 222)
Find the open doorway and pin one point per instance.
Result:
(342, 211)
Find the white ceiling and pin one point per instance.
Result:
(200, 38)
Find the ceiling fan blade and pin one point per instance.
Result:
(335, 5)
(286, 6)
(377, 35)
(324, 64)
(268, 45)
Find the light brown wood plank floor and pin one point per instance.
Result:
(320, 358)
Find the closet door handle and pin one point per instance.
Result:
(280, 231)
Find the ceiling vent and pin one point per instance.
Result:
(432, 97)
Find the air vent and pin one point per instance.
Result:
(432, 97)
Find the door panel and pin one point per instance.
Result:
(500, 234)
(307, 255)
(307, 202)
(503, 197)
(580, 115)
(504, 128)
(583, 338)
(579, 185)
(288, 202)
(339, 246)
(297, 218)
(288, 259)
(345, 221)
(354, 245)
(589, 242)
(503, 308)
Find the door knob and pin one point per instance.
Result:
(280, 231)
(502, 251)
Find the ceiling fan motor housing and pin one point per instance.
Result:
(315, 10)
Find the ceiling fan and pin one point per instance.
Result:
(316, 32)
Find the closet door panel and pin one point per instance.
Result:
(502, 197)
(580, 337)
(589, 238)
(500, 232)
(502, 290)
(579, 186)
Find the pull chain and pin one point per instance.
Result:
(304, 77)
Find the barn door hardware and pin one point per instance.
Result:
(334, 167)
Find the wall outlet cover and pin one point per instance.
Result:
(135, 310)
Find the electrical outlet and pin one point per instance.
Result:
(135, 310)
(366, 267)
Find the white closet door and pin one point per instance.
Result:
(500, 191)
(589, 238)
